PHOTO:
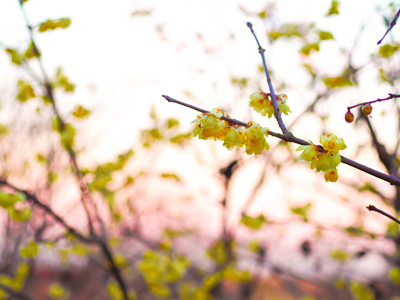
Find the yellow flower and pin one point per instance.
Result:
(208, 126)
(331, 176)
(261, 103)
(234, 137)
(310, 154)
(332, 143)
(255, 139)
(327, 162)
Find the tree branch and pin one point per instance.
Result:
(278, 115)
(373, 208)
(289, 137)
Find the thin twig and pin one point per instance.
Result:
(14, 293)
(289, 137)
(278, 115)
(373, 208)
(391, 96)
(394, 21)
(88, 240)
(49, 92)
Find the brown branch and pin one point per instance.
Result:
(88, 240)
(289, 137)
(373, 208)
(49, 93)
(15, 293)
(391, 96)
(278, 115)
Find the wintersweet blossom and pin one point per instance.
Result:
(234, 137)
(208, 126)
(324, 158)
(255, 139)
(261, 103)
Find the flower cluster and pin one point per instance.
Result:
(324, 158)
(212, 126)
(262, 103)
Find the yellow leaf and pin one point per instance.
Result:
(170, 175)
(56, 290)
(253, 223)
(334, 10)
(52, 25)
(16, 58)
(81, 112)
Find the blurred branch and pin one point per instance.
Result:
(14, 293)
(88, 240)
(394, 21)
(373, 208)
(278, 115)
(289, 137)
(49, 92)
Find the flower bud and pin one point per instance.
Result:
(349, 117)
(367, 109)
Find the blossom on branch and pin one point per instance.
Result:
(324, 158)
(262, 103)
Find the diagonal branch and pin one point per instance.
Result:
(99, 241)
(289, 137)
(394, 21)
(373, 208)
(49, 93)
(278, 115)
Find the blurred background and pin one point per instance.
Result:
(229, 225)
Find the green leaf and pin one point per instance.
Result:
(3, 130)
(30, 250)
(62, 81)
(308, 48)
(262, 15)
(368, 187)
(234, 274)
(340, 255)
(287, 30)
(301, 211)
(392, 229)
(25, 92)
(253, 223)
(325, 35)
(81, 112)
(334, 10)
(217, 252)
(16, 58)
(337, 82)
(254, 246)
(388, 50)
(172, 123)
(355, 231)
(170, 175)
(361, 292)
(31, 52)
(395, 275)
(52, 25)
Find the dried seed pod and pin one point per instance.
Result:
(349, 117)
(367, 109)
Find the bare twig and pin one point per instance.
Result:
(394, 21)
(88, 240)
(14, 293)
(391, 96)
(289, 137)
(49, 93)
(278, 115)
(373, 208)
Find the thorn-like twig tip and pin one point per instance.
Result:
(370, 207)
